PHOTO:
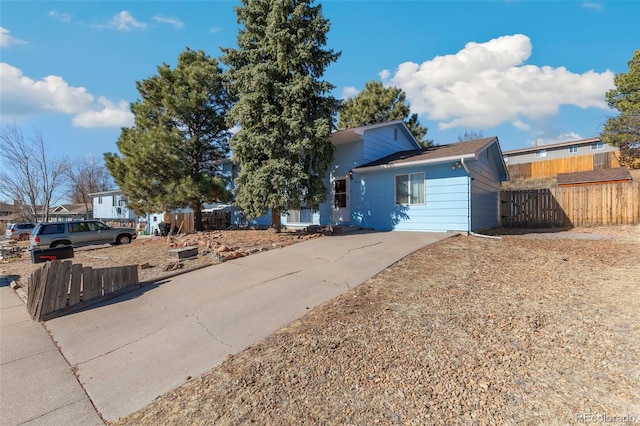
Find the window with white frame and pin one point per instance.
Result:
(541, 153)
(409, 189)
(597, 145)
(99, 200)
(573, 149)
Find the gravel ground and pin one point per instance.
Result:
(468, 331)
(153, 256)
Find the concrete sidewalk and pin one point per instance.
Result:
(37, 386)
(129, 350)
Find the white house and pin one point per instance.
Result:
(111, 207)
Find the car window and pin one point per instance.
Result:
(52, 228)
(97, 226)
(78, 227)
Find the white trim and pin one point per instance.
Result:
(414, 163)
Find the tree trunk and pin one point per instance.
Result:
(276, 222)
(197, 216)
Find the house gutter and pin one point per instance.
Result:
(412, 163)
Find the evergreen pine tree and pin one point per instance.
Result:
(377, 104)
(284, 111)
(168, 159)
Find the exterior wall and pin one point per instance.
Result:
(446, 205)
(111, 207)
(485, 192)
(380, 142)
(553, 153)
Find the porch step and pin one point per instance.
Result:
(341, 229)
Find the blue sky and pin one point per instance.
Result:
(526, 71)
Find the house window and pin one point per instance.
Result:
(409, 189)
(541, 153)
(573, 149)
(395, 134)
(114, 202)
(597, 145)
(99, 200)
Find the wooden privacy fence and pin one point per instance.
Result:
(588, 205)
(580, 163)
(60, 285)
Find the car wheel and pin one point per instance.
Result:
(123, 239)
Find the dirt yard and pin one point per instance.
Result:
(535, 328)
(152, 254)
(528, 329)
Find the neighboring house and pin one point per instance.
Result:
(68, 212)
(382, 179)
(111, 207)
(576, 148)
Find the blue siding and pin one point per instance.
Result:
(346, 157)
(485, 190)
(446, 205)
(379, 142)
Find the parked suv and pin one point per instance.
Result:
(79, 233)
(19, 231)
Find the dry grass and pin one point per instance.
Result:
(528, 329)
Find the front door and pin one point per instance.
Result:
(340, 189)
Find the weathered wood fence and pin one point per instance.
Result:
(59, 285)
(580, 163)
(588, 205)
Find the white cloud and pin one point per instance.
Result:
(7, 40)
(592, 5)
(348, 92)
(124, 21)
(60, 16)
(563, 137)
(521, 125)
(176, 22)
(109, 116)
(215, 30)
(21, 96)
(486, 84)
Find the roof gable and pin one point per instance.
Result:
(357, 133)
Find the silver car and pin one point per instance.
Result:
(79, 233)
(19, 231)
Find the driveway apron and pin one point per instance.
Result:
(131, 349)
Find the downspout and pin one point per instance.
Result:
(469, 230)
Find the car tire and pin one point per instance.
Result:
(123, 239)
(58, 244)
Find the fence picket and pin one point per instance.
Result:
(585, 205)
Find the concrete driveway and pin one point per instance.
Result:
(134, 348)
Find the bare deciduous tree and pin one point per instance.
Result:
(470, 135)
(28, 174)
(87, 175)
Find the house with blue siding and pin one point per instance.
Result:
(111, 207)
(382, 179)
